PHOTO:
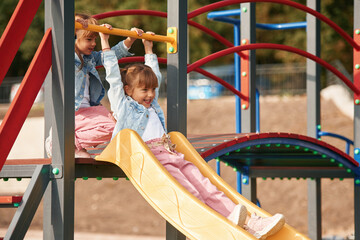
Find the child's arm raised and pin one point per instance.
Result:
(152, 61)
(116, 92)
(121, 49)
(129, 41)
(105, 46)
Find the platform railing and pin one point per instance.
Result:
(25, 96)
(338, 136)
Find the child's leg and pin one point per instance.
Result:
(191, 178)
(93, 126)
(213, 197)
(188, 175)
(179, 176)
(260, 227)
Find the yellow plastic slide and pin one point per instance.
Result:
(170, 199)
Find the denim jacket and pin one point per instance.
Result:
(129, 113)
(96, 89)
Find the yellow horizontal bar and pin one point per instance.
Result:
(125, 33)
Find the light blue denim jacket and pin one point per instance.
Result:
(129, 113)
(96, 89)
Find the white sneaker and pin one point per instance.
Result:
(238, 215)
(82, 153)
(48, 147)
(262, 228)
(48, 144)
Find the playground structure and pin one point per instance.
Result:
(251, 153)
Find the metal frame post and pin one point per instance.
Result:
(313, 70)
(314, 208)
(313, 116)
(356, 136)
(248, 31)
(177, 69)
(177, 82)
(249, 189)
(48, 110)
(248, 116)
(59, 197)
(356, 210)
(29, 204)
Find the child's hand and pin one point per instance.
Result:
(105, 37)
(129, 41)
(148, 45)
(83, 22)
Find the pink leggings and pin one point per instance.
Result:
(93, 126)
(189, 176)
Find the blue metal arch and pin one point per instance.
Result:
(330, 154)
(224, 16)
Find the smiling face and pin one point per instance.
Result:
(85, 45)
(141, 94)
(140, 83)
(85, 40)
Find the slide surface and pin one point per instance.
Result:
(170, 199)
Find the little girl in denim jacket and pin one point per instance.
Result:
(133, 96)
(94, 124)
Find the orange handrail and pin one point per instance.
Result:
(125, 33)
(170, 39)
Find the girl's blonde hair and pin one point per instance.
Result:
(80, 34)
(138, 74)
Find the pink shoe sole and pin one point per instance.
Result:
(271, 229)
(238, 216)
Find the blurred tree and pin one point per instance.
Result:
(31, 41)
(333, 46)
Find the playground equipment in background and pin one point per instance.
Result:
(226, 16)
(251, 153)
(203, 89)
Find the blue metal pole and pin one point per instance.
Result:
(237, 78)
(223, 16)
(257, 107)
(238, 181)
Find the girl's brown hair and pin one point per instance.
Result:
(139, 75)
(84, 33)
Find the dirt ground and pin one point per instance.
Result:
(110, 206)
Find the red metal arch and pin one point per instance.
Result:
(217, 142)
(224, 3)
(254, 46)
(199, 70)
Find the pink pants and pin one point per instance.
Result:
(93, 126)
(189, 176)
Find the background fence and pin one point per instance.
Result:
(271, 79)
